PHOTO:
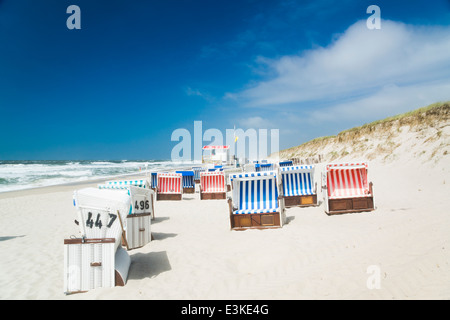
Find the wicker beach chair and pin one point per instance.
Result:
(346, 188)
(259, 167)
(256, 201)
(299, 188)
(212, 185)
(188, 181)
(287, 163)
(170, 186)
(197, 171)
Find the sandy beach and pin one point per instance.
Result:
(195, 255)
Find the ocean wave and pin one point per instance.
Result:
(17, 175)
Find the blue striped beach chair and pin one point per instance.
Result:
(288, 163)
(197, 171)
(154, 181)
(256, 202)
(299, 188)
(188, 181)
(264, 167)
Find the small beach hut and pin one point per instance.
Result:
(212, 185)
(170, 186)
(299, 188)
(188, 181)
(256, 201)
(217, 155)
(346, 188)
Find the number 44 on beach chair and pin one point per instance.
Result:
(346, 188)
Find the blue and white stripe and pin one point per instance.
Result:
(253, 174)
(124, 184)
(255, 193)
(187, 179)
(154, 183)
(264, 167)
(297, 180)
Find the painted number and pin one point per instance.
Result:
(98, 222)
(141, 205)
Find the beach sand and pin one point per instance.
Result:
(195, 255)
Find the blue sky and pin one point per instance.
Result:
(138, 70)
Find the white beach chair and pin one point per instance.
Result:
(93, 263)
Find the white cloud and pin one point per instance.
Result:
(358, 65)
(362, 76)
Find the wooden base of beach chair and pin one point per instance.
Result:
(188, 190)
(300, 201)
(164, 196)
(213, 195)
(255, 221)
(338, 206)
(197, 180)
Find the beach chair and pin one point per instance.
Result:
(212, 185)
(141, 183)
(256, 202)
(228, 172)
(259, 167)
(299, 188)
(154, 181)
(197, 171)
(137, 223)
(286, 163)
(346, 188)
(169, 186)
(93, 263)
(102, 212)
(188, 181)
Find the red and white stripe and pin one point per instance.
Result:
(347, 165)
(213, 181)
(347, 182)
(169, 182)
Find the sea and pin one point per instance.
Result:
(20, 175)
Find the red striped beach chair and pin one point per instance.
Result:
(212, 185)
(170, 186)
(346, 188)
(256, 202)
